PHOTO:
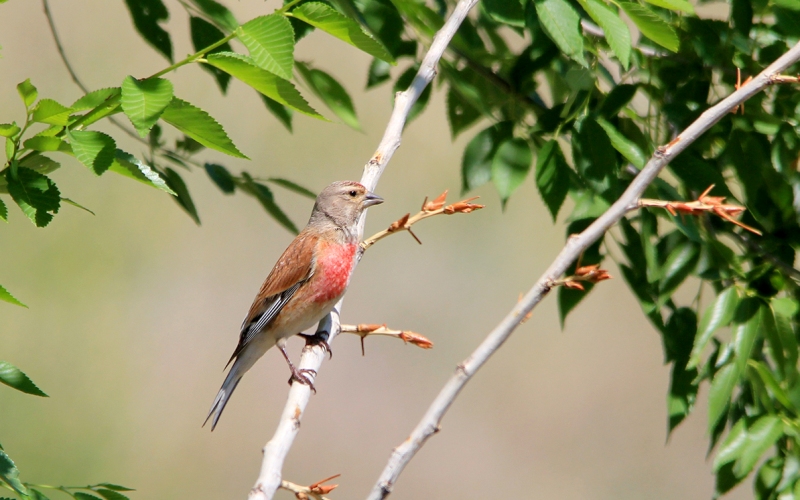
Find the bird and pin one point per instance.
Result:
(303, 286)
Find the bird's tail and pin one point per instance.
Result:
(224, 394)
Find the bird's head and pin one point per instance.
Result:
(342, 203)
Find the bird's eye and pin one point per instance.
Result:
(352, 193)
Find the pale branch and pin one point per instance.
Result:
(364, 330)
(276, 449)
(429, 209)
(590, 274)
(576, 244)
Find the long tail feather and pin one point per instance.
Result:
(224, 394)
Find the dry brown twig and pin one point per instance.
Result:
(317, 491)
(429, 209)
(365, 329)
(704, 203)
(591, 273)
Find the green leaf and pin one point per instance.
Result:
(205, 34)
(680, 262)
(676, 5)
(9, 129)
(143, 101)
(10, 474)
(217, 12)
(720, 313)
(772, 384)
(562, 24)
(111, 494)
(181, 196)
(745, 332)
(476, 166)
(128, 165)
(4, 216)
(293, 186)
(616, 32)
(94, 99)
(200, 126)
(76, 205)
(323, 17)
(783, 310)
(332, 94)
(270, 40)
(46, 143)
(732, 447)
(617, 99)
(40, 163)
(552, 176)
(84, 496)
(625, 147)
(13, 377)
(146, 16)
(51, 112)
(111, 486)
(272, 86)
(264, 196)
(221, 177)
(279, 111)
(5, 295)
(719, 394)
(35, 194)
(651, 25)
(510, 166)
(378, 73)
(27, 92)
(760, 437)
(94, 149)
(505, 11)
(460, 113)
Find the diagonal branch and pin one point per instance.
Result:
(276, 449)
(576, 244)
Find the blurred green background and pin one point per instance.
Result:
(134, 311)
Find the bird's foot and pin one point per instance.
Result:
(302, 377)
(319, 338)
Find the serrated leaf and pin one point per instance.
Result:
(128, 165)
(509, 12)
(40, 163)
(651, 25)
(616, 32)
(27, 93)
(94, 149)
(143, 101)
(205, 34)
(719, 393)
(675, 5)
(4, 216)
(46, 143)
(279, 111)
(264, 196)
(221, 177)
(460, 113)
(327, 19)
(218, 12)
(51, 112)
(13, 377)
(625, 147)
(95, 98)
(10, 474)
(293, 186)
(270, 40)
(79, 495)
(9, 129)
(200, 126)
(181, 196)
(35, 194)
(332, 93)
(5, 295)
(272, 86)
(760, 437)
(720, 313)
(146, 16)
(510, 165)
(562, 25)
(111, 494)
(552, 176)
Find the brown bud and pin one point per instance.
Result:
(368, 327)
(574, 285)
(399, 223)
(430, 206)
(416, 339)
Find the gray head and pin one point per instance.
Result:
(341, 204)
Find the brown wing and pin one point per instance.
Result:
(294, 268)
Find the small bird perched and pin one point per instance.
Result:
(305, 284)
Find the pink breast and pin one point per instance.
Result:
(334, 264)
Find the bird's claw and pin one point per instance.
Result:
(319, 338)
(300, 376)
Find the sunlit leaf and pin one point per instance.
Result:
(12, 376)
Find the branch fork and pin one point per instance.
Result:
(314, 491)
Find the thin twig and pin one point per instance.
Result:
(317, 491)
(430, 422)
(364, 330)
(278, 446)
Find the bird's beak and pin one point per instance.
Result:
(372, 199)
